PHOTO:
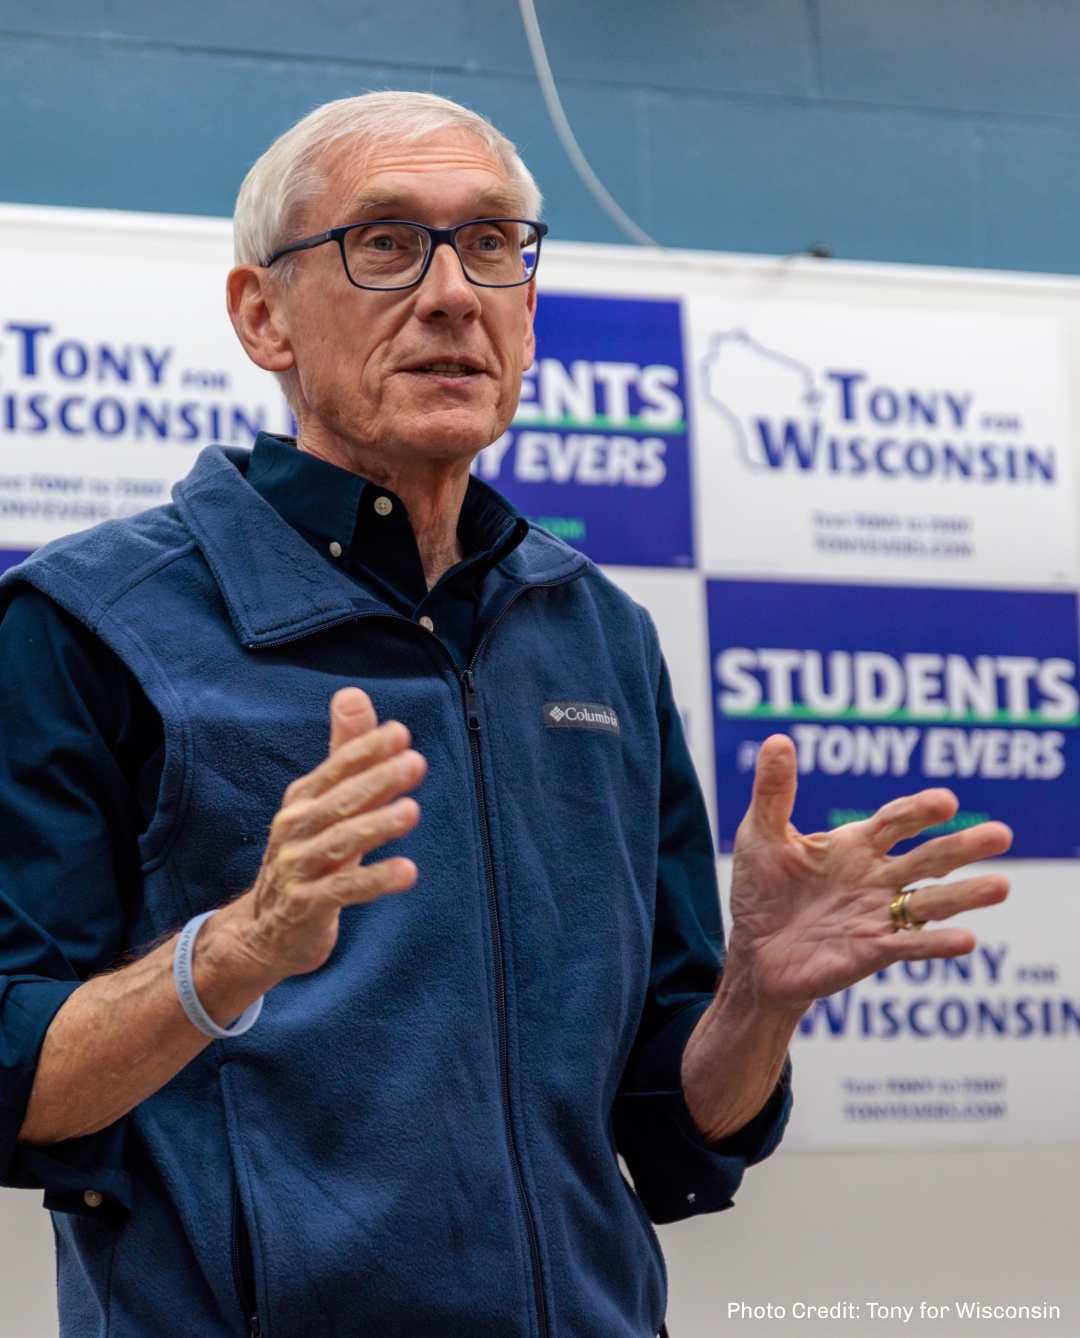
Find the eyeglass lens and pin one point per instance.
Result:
(391, 255)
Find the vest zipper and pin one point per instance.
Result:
(472, 722)
(472, 708)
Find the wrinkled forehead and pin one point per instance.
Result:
(442, 179)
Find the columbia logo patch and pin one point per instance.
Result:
(580, 715)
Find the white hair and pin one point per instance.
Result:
(291, 171)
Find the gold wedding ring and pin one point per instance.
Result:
(900, 911)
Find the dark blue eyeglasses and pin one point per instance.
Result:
(393, 254)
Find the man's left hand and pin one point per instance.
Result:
(810, 914)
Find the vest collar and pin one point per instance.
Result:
(275, 586)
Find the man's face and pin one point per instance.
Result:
(427, 372)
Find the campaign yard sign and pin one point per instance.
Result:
(597, 452)
(886, 690)
(847, 442)
(107, 394)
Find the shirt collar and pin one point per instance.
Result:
(317, 498)
(347, 517)
(277, 588)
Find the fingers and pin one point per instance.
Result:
(371, 788)
(931, 943)
(346, 807)
(907, 817)
(351, 715)
(346, 842)
(775, 783)
(942, 855)
(940, 902)
(367, 882)
(351, 756)
(944, 900)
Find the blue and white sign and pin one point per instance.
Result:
(863, 442)
(887, 690)
(107, 391)
(597, 452)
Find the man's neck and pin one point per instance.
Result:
(433, 493)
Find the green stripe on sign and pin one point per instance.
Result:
(602, 423)
(840, 817)
(563, 527)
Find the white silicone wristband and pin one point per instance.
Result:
(185, 988)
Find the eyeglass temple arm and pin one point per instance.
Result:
(307, 244)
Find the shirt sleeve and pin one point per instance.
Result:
(80, 746)
(675, 1172)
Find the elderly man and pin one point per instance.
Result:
(418, 1134)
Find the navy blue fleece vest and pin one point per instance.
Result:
(419, 1132)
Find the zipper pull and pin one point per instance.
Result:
(472, 706)
(254, 1327)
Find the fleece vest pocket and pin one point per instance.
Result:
(243, 1262)
(242, 1250)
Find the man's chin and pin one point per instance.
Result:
(447, 432)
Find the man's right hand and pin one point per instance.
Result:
(329, 820)
(128, 1024)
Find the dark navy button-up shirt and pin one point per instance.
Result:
(81, 755)
(365, 530)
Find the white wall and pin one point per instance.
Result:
(27, 1267)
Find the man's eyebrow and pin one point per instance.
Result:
(490, 203)
(371, 199)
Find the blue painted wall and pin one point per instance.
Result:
(940, 131)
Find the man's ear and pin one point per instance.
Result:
(257, 317)
(530, 334)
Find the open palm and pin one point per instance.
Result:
(812, 912)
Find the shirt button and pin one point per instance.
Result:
(427, 624)
(92, 1198)
(335, 549)
(383, 505)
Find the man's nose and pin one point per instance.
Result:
(445, 290)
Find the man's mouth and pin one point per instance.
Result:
(447, 369)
